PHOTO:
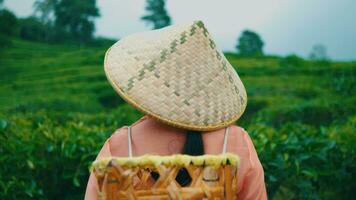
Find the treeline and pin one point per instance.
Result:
(62, 21)
(53, 21)
(249, 43)
(72, 21)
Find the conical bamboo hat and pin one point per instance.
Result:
(178, 76)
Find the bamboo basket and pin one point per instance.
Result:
(212, 177)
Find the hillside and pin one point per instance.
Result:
(56, 110)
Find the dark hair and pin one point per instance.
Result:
(193, 146)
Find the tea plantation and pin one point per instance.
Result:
(57, 109)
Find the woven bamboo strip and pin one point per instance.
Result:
(178, 76)
(121, 181)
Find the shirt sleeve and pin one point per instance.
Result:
(253, 185)
(91, 192)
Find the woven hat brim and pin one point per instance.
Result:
(189, 96)
(136, 105)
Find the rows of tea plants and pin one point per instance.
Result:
(57, 109)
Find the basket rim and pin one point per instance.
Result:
(181, 160)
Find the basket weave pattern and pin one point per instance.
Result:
(177, 75)
(133, 181)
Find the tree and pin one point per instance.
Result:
(8, 27)
(31, 28)
(318, 53)
(250, 44)
(8, 23)
(70, 19)
(40, 26)
(157, 14)
(76, 18)
(44, 10)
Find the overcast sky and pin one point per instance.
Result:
(286, 26)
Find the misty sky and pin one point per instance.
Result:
(286, 26)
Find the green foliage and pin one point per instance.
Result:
(32, 29)
(54, 21)
(52, 154)
(318, 53)
(57, 109)
(8, 23)
(157, 14)
(8, 27)
(292, 61)
(75, 19)
(45, 10)
(250, 44)
(304, 162)
(313, 112)
(63, 21)
(102, 42)
(4, 42)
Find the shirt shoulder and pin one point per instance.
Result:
(251, 174)
(118, 142)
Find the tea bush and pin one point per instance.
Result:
(303, 162)
(48, 157)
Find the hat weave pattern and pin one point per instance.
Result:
(177, 75)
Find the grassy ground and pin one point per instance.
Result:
(56, 109)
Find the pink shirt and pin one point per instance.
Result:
(151, 137)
